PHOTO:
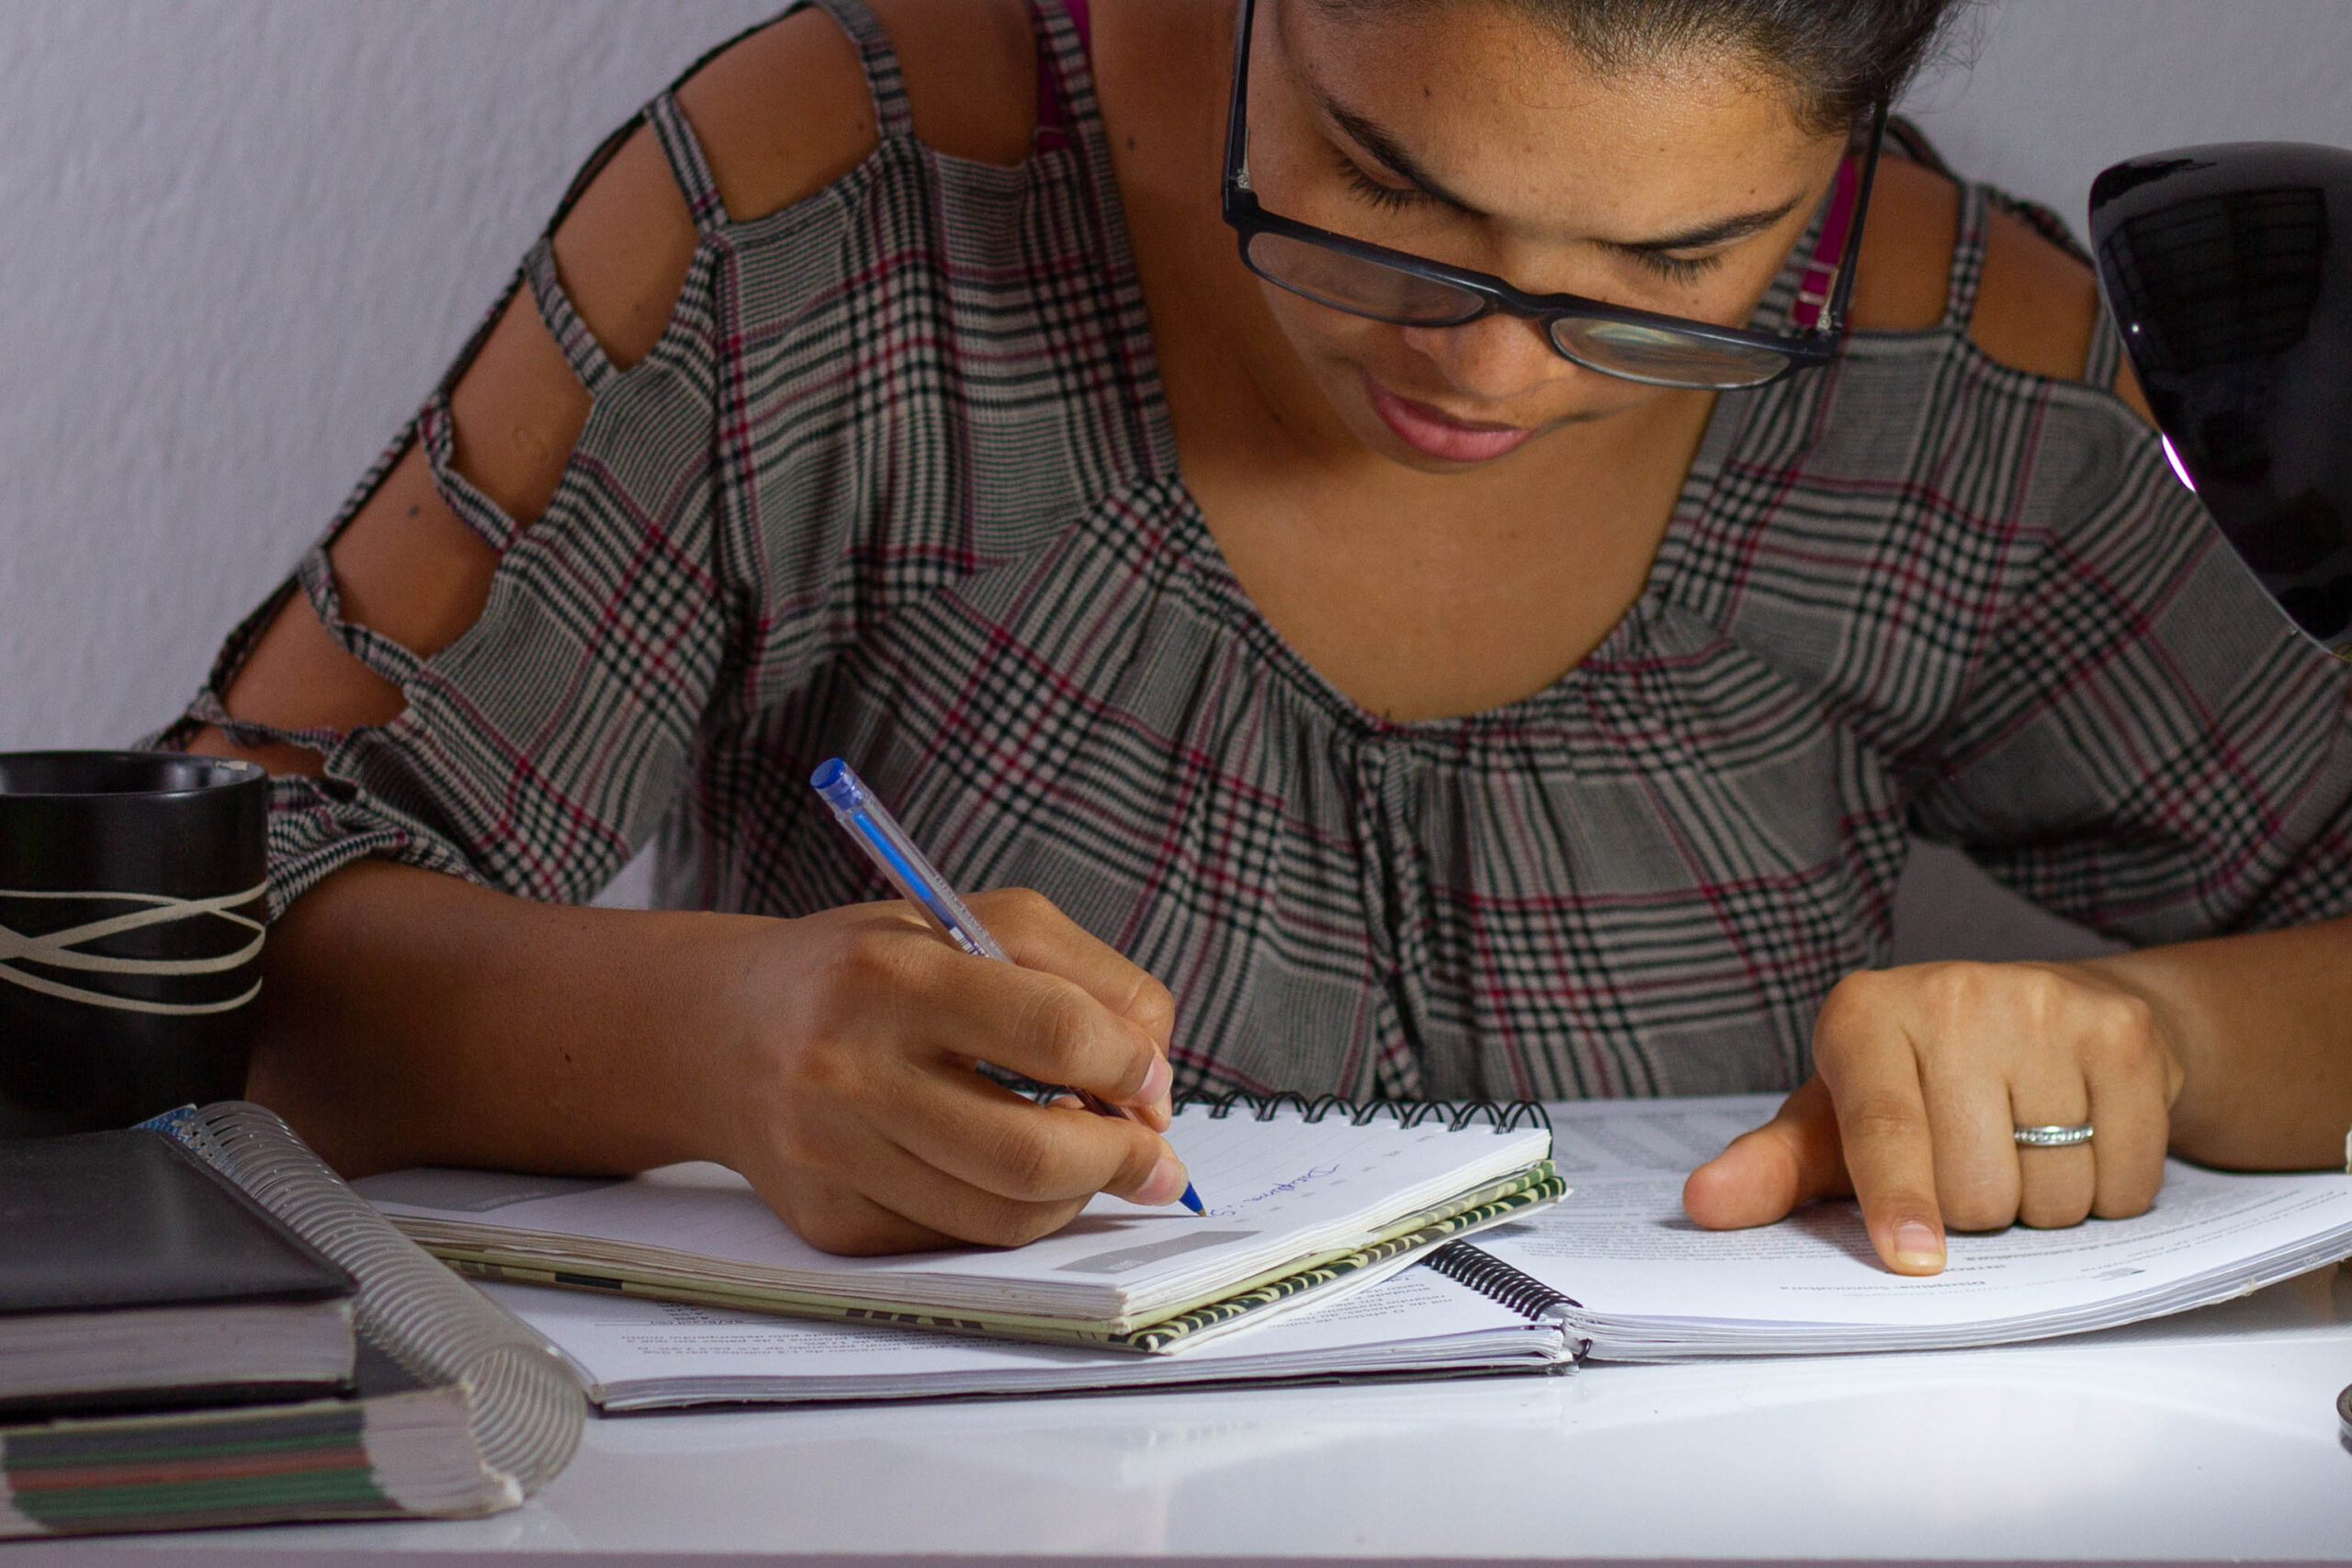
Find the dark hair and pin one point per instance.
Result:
(1840, 56)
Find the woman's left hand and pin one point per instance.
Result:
(1922, 1076)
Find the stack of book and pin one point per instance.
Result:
(200, 1324)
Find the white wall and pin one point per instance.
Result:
(239, 238)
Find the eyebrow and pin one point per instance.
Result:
(1369, 135)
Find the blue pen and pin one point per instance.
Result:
(918, 883)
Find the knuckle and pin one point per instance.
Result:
(1061, 1023)
(826, 1068)
(1022, 906)
(875, 960)
(1849, 1001)
(1028, 1162)
(1977, 1208)
(1153, 1006)
(2125, 1027)
(1876, 1120)
(2053, 1212)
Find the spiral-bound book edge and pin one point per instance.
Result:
(1459, 1115)
(1469, 1264)
(525, 1409)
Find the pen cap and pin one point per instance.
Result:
(838, 785)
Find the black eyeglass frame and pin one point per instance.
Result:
(1249, 218)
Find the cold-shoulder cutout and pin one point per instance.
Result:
(2036, 304)
(785, 112)
(1905, 272)
(781, 114)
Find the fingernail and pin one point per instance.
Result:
(1164, 1185)
(1919, 1245)
(1155, 1083)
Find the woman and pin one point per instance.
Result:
(1390, 681)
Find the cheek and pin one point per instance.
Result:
(1319, 335)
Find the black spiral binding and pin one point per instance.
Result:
(1490, 1276)
(1457, 1115)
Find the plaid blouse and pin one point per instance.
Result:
(898, 484)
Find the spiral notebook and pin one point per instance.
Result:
(1461, 1313)
(1306, 1199)
(459, 1410)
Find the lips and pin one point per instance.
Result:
(1428, 431)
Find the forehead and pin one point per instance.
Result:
(1510, 117)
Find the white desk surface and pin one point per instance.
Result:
(2205, 1437)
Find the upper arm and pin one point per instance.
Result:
(2036, 305)
(780, 115)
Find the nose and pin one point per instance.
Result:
(1494, 359)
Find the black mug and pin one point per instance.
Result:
(131, 908)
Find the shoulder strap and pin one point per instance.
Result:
(1967, 258)
(687, 165)
(1065, 77)
(563, 320)
(2104, 362)
(683, 149)
(881, 62)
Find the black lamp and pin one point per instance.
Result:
(2229, 269)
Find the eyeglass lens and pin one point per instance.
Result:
(1638, 351)
(1359, 284)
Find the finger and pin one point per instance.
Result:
(917, 1189)
(1874, 1079)
(1974, 1149)
(1024, 1020)
(1763, 1174)
(2131, 1127)
(853, 1188)
(989, 1138)
(2055, 1186)
(851, 1224)
(1039, 936)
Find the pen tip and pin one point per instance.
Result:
(1191, 1200)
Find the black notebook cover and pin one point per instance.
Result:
(98, 1221)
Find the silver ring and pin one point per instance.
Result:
(2054, 1138)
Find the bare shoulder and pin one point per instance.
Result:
(1907, 239)
(2036, 305)
(786, 111)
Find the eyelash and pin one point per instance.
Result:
(1387, 198)
(1680, 270)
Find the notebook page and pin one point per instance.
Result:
(1621, 1244)
(1275, 1189)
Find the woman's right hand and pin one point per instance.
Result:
(847, 1093)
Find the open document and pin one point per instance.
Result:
(636, 1354)
(1649, 1285)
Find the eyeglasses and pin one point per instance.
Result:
(1407, 290)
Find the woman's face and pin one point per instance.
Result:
(1469, 134)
